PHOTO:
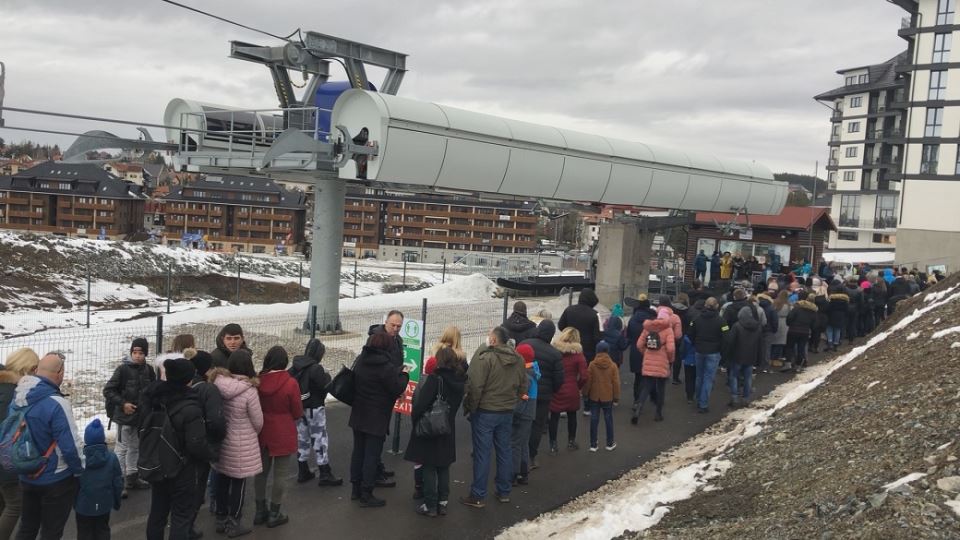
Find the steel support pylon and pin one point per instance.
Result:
(329, 198)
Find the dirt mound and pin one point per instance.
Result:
(827, 466)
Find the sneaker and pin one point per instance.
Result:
(586, 412)
(553, 448)
(424, 511)
(534, 464)
(572, 445)
(442, 508)
(563, 415)
(611, 447)
(384, 482)
(658, 418)
(703, 410)
(503, 498)
(470, 500)
(689, 402)
(676, 382)
(593, 448)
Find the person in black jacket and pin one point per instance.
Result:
(312, 428)
(584, 318)
(391, 327)
(229, 339)
(707, 334)
(838, 311)
(378, 382)
(176, 497)
(436, 454)
(122, 393)
(641, 312)
(800, 321)
(211, 402)
(853, 308)
(518, 326)
(551, 379)
(744, 344)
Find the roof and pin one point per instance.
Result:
(792, 217)
(84, 178)
(239, 184)
(881, 76)
(127, 167)
(153, 169)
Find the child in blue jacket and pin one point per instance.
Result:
(689, 357)
(100, 486)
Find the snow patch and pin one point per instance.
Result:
(905, 480)
(913, 336)
(871, 385)
(940, 333)
(939, 295)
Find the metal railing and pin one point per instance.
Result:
(246, 131)
(878, 223)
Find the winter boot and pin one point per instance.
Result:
(262, 514)
(124, 494)
(787, 367)
(369, 500)
(276, 518)
(221, 524)
(355, 491)
(235, 528)
(304, 474)
(133, 481)
(326, 477)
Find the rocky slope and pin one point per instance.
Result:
(870, 453)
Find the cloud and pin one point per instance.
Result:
(733, 78)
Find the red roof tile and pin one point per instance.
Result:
(792, 217)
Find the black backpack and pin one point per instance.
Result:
(161, 448)
(653, 341)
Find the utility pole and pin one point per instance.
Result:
(3, 76)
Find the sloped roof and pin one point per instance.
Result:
(792, 217)
(881, 76)
(98, 181)
(240, 184)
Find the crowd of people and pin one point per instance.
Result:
(194, 426)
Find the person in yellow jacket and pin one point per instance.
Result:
(726, 266)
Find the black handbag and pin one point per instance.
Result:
(436, 421)
(343, 386)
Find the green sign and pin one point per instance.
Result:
(412, 335)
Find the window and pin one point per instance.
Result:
(945, 9)
(849, 210)
(851, 151)
(849, 176)
(832, 178)
(934, 122)
(938, 85)
(836, 130)
(884, 217)
(856, 102)
(882, 239)
(928, 158)
(853, 127)
(850, 80)
(941, 47)
(848, 235)
(863, 78)
(957, 169)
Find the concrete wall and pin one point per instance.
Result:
(924, 248)
(623, 258)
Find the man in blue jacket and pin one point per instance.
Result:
(48, 497)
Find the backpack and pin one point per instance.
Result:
(303, 380)
(161, 450)
(19, 453)
(653, 341)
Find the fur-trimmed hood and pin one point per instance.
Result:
(842, 297)
(806, 305)
(567, 348)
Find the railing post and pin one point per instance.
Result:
(88, 297)
(160, 333)
(300, 283)
(354, 278)
(506, 303)
(313, 322)
(570, 297)
(238, 278)
(623, 292)
(404, 271)
(443, 276)
(169, 288)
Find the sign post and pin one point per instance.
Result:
(412, 333)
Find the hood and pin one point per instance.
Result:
(301, 363)
(229, 385)
(746, 319)
(167, 393)
(642, 312)
(315, 349)
(505, 355)
(374, 328)
(709, 314)
(373, 356)
(588, 298)
(568, 348)
(765, 300)
(806, 305)
(33, 388)
(546, 330)
(842, 297)
(272, 382)
(96, 456)
(656, 325)
(602, 361)
(518, 323)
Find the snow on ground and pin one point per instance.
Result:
(639, 499)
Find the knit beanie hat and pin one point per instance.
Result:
(665, 301)
(526, 351)
(179, 371)
(142, 344)
(202, 361)
(617, 311)
(94, 433)
(603, 347)
(520, 307)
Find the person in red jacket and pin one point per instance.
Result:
(280, 401)
(567, 398)
(658, 344)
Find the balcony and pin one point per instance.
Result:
(888, 222)
(836, 116)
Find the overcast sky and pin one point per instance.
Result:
(733, 78)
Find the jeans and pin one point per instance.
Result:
(834, 333)
(777, 351)
(571, 426)
(436, 485)
(595, 408)
(690, 380)
(11, 509)
(738, 370)
(46, 509)
(520, 441)
(365, 460)
(656, 388)
(539, 425)
(706, 370)
(93, 527)
(491, 432)
(128, 449)
(175, 498)
(797, 349)
(230, 492)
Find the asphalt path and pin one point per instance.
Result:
(317, 512)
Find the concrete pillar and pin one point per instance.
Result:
(326, 251)
(623, 258)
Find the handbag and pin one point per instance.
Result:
(436, 421)
(343, 386)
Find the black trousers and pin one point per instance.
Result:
(230, 492)
(571, 426)
(365, 459)
(539, 426)
(853, 327)
(203, 476)
(689, 380)
(46, 509)
(656, 388)
(175, 498)
(93, 527)
(676, 367)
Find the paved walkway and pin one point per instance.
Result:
(328, 512)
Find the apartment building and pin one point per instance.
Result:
(928, 235)
(866, 155)
(430, 228)
(131, 172)
(234, 213)
(80, 200)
